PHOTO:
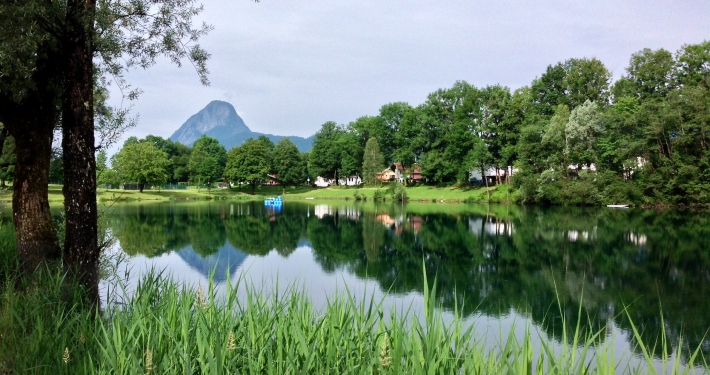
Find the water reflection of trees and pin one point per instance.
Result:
(545, 262)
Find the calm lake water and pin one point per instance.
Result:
(505, 266)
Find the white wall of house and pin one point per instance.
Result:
(321, 182)
(351, 181)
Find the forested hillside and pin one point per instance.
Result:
(573, 136)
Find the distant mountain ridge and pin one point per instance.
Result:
(220, 120)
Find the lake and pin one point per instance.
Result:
(501, 266)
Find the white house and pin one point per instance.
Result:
(321, 182)
(351, 181)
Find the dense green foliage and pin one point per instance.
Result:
(287, 165)
(373, 161)
(249, 163)
(207, 161)
(142, 163)
(571, 137)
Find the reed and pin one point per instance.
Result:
(168, 328)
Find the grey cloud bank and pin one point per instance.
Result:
(289, 66)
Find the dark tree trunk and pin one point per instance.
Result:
(140, 187)
(81, 250)
(31, 122)
(36, 241)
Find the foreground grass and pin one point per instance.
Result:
(166, 328)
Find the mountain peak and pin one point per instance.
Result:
(218, 119)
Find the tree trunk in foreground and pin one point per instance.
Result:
(31, 122)
(81, 250)
(36, 241)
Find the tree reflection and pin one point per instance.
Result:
(553, 264)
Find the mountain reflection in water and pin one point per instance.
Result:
(547, 262)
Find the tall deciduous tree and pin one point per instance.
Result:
(142, 163)
(325, 156)
(581, 133)
(287, 163)
(207, 161)
(350, 154)
(373, 161)
(248, 163)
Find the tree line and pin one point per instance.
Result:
(157, 161)
(572, 136)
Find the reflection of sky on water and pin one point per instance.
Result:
(299, 270)
(325, 250)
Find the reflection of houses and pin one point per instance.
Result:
(575, 236)
(391, 223)
(349, 212)
(416, 223)
(637, 239)
(490, 226)
(321, 210)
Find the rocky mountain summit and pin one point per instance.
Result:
(220, 120)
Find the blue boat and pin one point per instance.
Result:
(276, 201)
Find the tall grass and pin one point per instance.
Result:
(168, 328)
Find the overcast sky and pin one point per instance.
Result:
(289, 66)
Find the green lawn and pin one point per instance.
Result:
(498, 194)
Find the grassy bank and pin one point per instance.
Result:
(420, 193)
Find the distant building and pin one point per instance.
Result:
(416, 175)
(351, 181)
(271, 181)
(322, 182)
(386, 175)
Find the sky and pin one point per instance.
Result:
(289, 66)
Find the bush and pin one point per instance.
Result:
(399, 193)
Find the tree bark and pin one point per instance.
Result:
(31, 122)
(36, 241)
(81, 250)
